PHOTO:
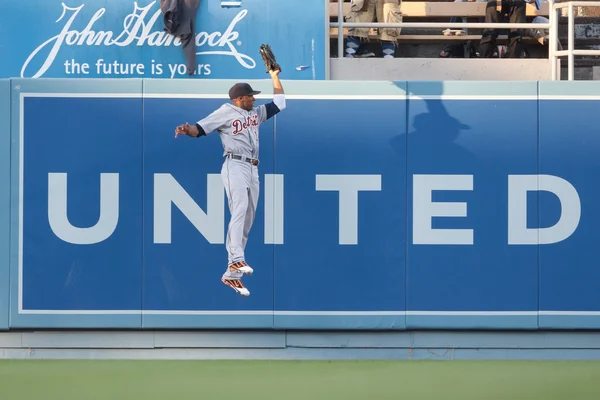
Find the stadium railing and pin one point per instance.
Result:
(553, 54)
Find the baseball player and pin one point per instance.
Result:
(238, 125)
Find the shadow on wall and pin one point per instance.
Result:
(431, 127)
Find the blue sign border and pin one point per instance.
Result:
(4, 202)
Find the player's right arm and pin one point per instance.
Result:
(203, 127)
(189, 130)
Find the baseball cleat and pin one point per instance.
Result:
(241, 266)
(236, 285)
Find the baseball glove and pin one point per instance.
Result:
(269, 58)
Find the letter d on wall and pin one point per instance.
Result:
(518, 186)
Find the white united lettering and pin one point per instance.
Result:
(137, 30)
(211, 223)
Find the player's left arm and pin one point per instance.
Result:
(278, 102)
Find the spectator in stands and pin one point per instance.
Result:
(457, 49)
(512, 11)
(538, 34)
(373, 11)
(541, 35)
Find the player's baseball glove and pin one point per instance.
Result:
(269, 58)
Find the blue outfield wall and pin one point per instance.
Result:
(384, 205)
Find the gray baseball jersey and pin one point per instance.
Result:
(237, 127)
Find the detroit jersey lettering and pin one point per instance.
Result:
(238, 128)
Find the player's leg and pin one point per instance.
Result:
(388, 11)
(241, 266)
(253, 194)
(360, 11)
(237, 262)
(236, 189)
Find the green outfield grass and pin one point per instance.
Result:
(290, 380)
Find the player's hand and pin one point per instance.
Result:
(182, 129)
(274, 73)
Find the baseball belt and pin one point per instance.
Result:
(252, 161)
